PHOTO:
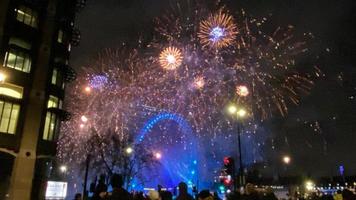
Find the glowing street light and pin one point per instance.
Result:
(2, 77)
(241, 113)
(286, 159)
(129, 150)
(63, 168)
(232, 109)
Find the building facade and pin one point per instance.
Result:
(36, 37)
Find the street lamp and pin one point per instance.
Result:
(63, 168)
(232, 109)
(286, 159)
(84, 120)
(129, 150)
(239, 113)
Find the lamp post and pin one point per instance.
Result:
(239, 113)
(84, 121)
(87, 163)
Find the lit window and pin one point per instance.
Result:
(11, 90)
(60, 36)
(54, 76)
(57, 78)
(9, 114)
(54, 102)
(20, 43)
(17, 60)
(27, 16)
(51, 126)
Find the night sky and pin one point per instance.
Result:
(320, 133)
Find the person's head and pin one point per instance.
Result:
(205, 195)
(116, 181)
(347, 194)
(153, 195)
(183, 188)
(166, 195)
(102, 178)
(78, 196)
(159, 187)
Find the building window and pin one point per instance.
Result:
(57, 78)
(60, 36)
(18, 60)
(9, 114)
(54, 102)
(27, 16)
(11, 90)
(51, 126)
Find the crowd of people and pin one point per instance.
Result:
(250, 192)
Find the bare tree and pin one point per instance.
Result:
(113, 156)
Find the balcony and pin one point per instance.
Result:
(68, 72)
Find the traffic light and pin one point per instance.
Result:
(229, 165)
(228, 172)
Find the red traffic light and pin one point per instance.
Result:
(227, 160)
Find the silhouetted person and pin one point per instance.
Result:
(216, 196)
(183, 192)
(205, 195)
(348, 195)
(100, 188)
(78, 196)
(118, 192)
(235, 195)
(166, 195)
(139, 196)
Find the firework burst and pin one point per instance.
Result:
(171, 58)
(218, 30)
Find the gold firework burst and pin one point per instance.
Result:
(171, 58)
